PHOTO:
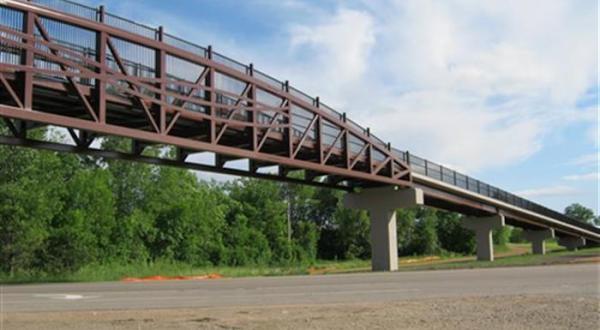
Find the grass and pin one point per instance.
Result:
(513, 255)
(118, 271)
(557, 257)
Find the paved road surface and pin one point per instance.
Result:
(580, 280)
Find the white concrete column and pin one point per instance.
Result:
(384, 243)
(537, 238)
(381, 204)
(571, 242)
(483, 234)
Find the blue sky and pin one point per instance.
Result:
(506, 91)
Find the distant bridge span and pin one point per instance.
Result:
(96, 74)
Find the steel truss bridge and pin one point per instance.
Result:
(97, 74)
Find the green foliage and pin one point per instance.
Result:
(65, 214)
(582, 213)
(245, 245)
(516, 235)
(501, 236)
(261, 205)
(425, 240)
(452, 235)
(30, 190)
(80, 234)
(405, 230)
(188, 220)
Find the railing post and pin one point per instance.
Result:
(210, 82)
(290, 128)
(253, 114)
(100, 84)
(320, 138)
(160, 68)
(100, 14)
(26, 78)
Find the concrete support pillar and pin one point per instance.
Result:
(384, 243)
(483, 234)
(571, 242)
(381, 204)
(537, 237)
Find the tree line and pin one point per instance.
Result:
(60, 212)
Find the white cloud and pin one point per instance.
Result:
(336, 51)
(476, 84)
(583, 177)
(591, 159)
(552, 191)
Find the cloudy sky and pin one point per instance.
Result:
(506, 91)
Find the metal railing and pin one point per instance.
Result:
(417, 164)
(441, 173)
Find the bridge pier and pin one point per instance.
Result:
(381, 204)
(571, 242)
(537, 239)
(483, 227)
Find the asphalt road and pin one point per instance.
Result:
(581, 280)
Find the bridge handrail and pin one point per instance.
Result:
(441, 173)
(95, 14)
(417, 164)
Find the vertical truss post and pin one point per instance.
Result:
(100, 84)
(210, 82)
(319, 128)
(290, 128)
(27, 57)
(161, 74)
(320, 140)
(391, 164)
(346, 143)
(253, 113)
(370, 152)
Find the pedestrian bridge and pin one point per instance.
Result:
(63, 64)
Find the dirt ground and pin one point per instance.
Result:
(498, 312)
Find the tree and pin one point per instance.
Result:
(452, 235)
(502, 235)
(130, 183)
(405, 229)
(261, 205)
(80, 234)
(582, 213)
(31, 188)
(188, 218)
(425, 239)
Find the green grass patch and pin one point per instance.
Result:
(118, 271)
(556, 257)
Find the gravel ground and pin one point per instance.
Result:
(497, 312)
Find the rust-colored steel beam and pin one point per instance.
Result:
(136, 156)
(156, 109)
